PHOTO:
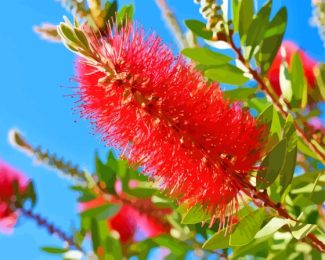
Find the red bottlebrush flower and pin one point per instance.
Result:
(8, 178)
(130, 220)
(164, 116)
(290, 49)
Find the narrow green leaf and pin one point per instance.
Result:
(218, 241)
(302, 147)
(272, 226)
(257, 28)
(259, 104)
(82, 38)
(142, 192)
(270, 117)
(113, 249)
(95, 235)
(177, 247)
(318, 197)
(301, 230)
(199, 29)
(109, 11)
(101, 212)
(30, 194)
(286, 173)
(320, 77)
(194, 215)
(68, 33)
(205, 56)
(247, 228)
(235, 13)
(246, 13)
(106, 172)
(227, 74)
(298, 82)
(272, 40)
(54, 250)
(125, 14)
(285, 82)
(239, 93)
(271, 165)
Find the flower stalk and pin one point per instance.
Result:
(50, 227)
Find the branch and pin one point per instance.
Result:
(50, 227)
(173, 23)
(307, 140)
(52, 160)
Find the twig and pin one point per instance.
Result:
(173, 23)
(50, 227)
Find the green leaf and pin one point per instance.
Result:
(68, 33)
(113, 249)
(219, 240)
(227, 74)
(235, 14)
(257, 30)
(95, 235)
(301, 230)
(142, 192)
(272, 40)
(259, 104)
(298, 82)
(30, 194)
(246, 13)
(205, 56)
(175, 246)
(320, 77)
(54, 250)
(107, 172)
(86, 194)
(270, 117)
(302, 147)
(318, 197)
(247, 228)
(286, 173)
(271, 165)
(239, 93)
(285, 82)
(125, 14)
(101, 212)
(195, 214)
(109, 11)
(199, 29)
(82, 38)
(272, 226)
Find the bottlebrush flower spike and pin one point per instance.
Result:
(290, 49)
(8, 178)
(163, 115)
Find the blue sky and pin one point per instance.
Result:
(32, 99)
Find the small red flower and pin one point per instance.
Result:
(9, 177)
(290, 49)
(131, 220)
(164, 116)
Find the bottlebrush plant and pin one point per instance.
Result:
(215, 152)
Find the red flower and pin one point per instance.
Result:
(9, 177)
(130, 220)
(163, 115)
(290, 49)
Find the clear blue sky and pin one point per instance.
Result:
(32, 72)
